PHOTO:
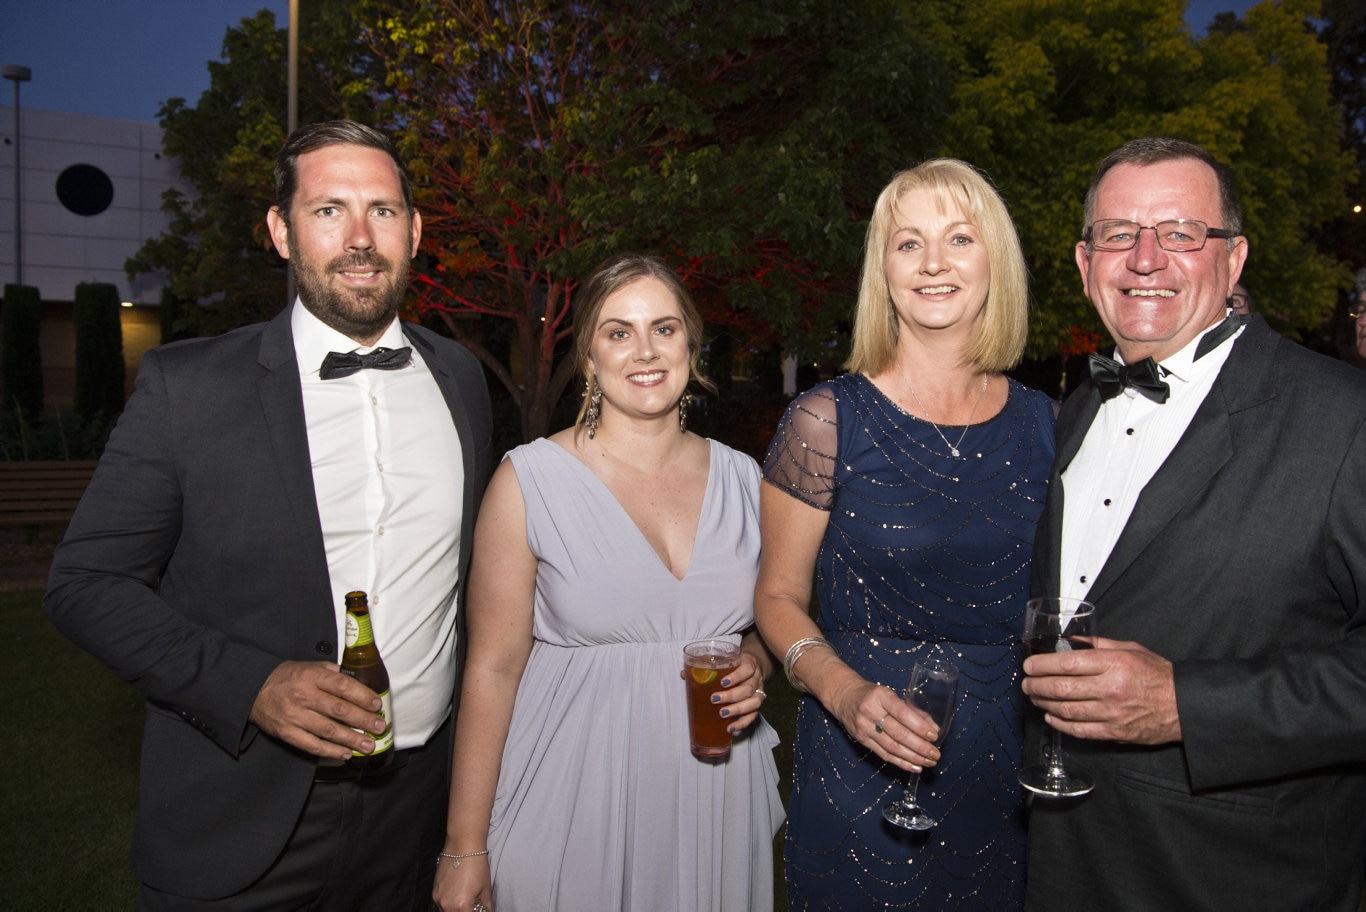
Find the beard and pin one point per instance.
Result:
(357, 313)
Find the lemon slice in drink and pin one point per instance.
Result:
(703, 675)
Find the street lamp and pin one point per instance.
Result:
(292, 118)
(17, 74)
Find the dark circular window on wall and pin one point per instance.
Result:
(85, 189)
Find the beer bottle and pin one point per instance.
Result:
(361, 661)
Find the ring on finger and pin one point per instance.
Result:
(479, 906)
(878, 726)
(759, 692)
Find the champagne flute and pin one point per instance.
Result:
(934, 691)
(1054, 625)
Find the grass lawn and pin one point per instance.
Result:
(68, 806)
(69, 801)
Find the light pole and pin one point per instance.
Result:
(17, 74)
(292, 118)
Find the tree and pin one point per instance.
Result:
(732, 138)
(20, 354)
(217, 248)
(546, 135)
(1344, 34)
(100, 376)
(1046, 88)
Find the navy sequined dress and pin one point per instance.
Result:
(923, 552)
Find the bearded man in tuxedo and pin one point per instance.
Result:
(252, 480)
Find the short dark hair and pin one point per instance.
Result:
(1153, 149)
(312, 137)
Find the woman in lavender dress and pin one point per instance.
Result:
(909, 489)
(598, 554)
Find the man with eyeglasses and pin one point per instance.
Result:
(1222, 712)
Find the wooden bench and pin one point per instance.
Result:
(42, 493)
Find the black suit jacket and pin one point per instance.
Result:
(195, 564)
(1244, 563)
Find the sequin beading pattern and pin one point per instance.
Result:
(922, 551)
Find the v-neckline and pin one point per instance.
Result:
(701, 512)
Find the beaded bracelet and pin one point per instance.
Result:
(455, 859)
(795, 652)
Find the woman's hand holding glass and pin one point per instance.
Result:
(742, 694)
(934, 690)
(878, 718)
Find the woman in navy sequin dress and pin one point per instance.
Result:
(910, 488)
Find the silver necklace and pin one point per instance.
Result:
(953, 447)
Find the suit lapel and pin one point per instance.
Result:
(1073, 422)
(1199, 455)
(451, 392)
(282, 404)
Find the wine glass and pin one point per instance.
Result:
(934, 691)
(1054, 625)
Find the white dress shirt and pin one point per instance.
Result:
(389, 481)
(1125, 446)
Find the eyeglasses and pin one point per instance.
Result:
(1358, 311)
(1173, 235)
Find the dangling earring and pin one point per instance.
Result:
(593, 393)
(683, 412)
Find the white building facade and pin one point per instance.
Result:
(91, 196)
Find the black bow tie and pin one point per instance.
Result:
(1111, 377)
(344, 364)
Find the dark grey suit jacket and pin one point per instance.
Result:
(1244, 563)
(195, 565)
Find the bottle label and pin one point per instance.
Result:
(358, 630)
(385, 740)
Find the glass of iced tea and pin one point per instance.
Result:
(705, 664)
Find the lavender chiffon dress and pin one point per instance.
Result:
(600, 804)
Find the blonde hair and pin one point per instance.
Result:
(1000, 339)
(614, 274)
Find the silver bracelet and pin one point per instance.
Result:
(455, 859)
(795, 652)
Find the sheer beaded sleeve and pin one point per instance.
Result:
(801, 458)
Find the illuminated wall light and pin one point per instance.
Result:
(1357, 208)
(125, 303)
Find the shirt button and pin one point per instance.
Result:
(1107, 501)
(1083, 579)
(324, 648)
(1129, 431)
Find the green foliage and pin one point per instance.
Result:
(1047, 88)
(1344, 36)
(99, 351)
(217, 249)
(175, 314)
(745, 142)
(545, 136)
(54, 435)
(21, 385)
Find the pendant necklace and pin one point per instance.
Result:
(953, 447)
